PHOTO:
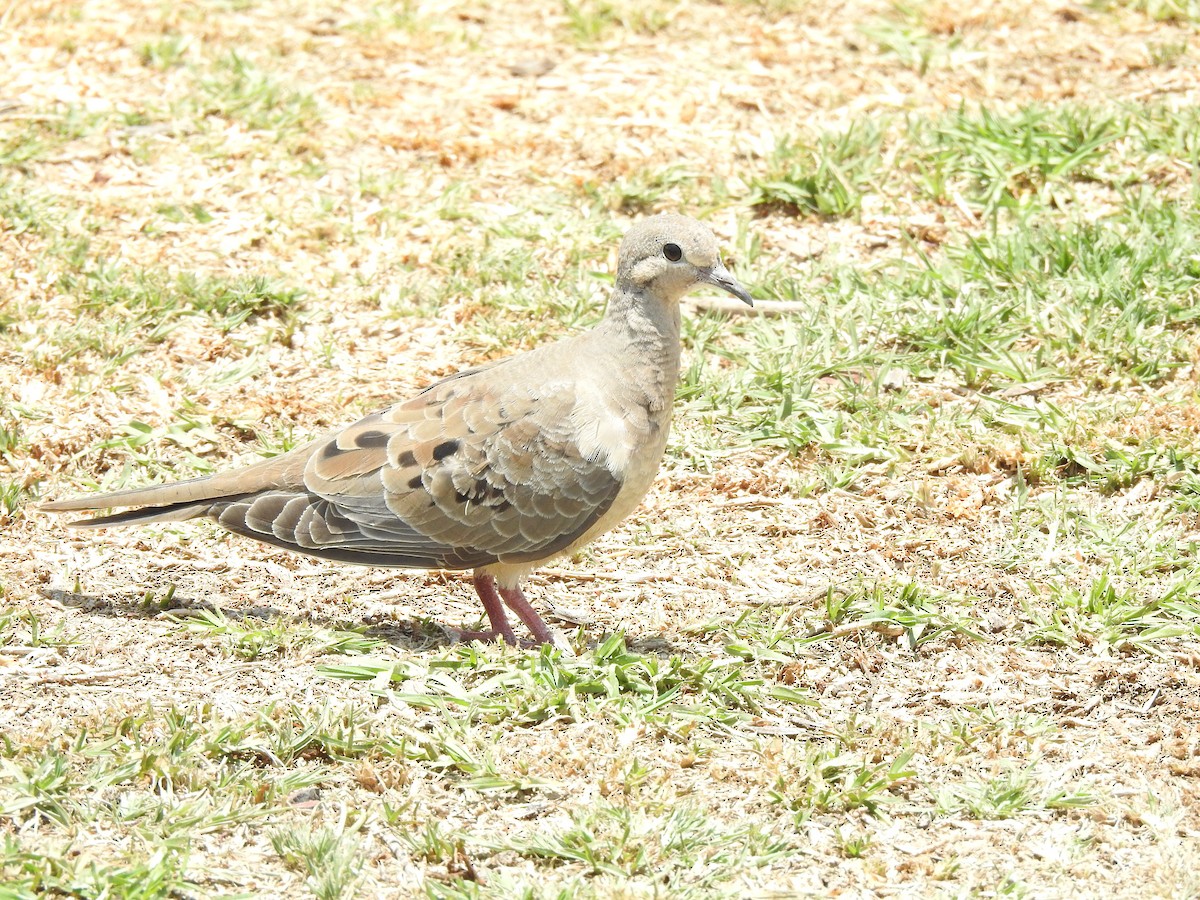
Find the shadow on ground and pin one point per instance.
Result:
(415, 634)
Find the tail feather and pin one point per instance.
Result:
(177, 512)
(188, 499)
(155, 495)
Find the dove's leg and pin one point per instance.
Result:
(526, 613)
(485, 587)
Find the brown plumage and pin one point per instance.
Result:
(496, 469)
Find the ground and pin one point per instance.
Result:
(912, 606)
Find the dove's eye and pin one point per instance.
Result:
(672, 252)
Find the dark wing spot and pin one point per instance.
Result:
(330, 450)
(463, 498)
(444, 449)
(415, 482)
(367, 440)
(406, 460)
(490, 495)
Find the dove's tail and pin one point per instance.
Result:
(185, 499)
(157, 503)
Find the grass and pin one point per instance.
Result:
(1125, 619)
(1181, 11)
(248, 639)
(1055, 299)
(47, 131)
(145, 297)
(828, 779)
(913, 45)
(999, 162)
(1008, 795)
(165, 781)
(329, 857)
(236, 89)
(671, 695)
(23, 627)
(912, 604)
(589, 21)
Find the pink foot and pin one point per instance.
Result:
(485, 587)
(541, 632)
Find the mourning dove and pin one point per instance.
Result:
(498, 468)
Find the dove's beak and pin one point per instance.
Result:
(719, 276)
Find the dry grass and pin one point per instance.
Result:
(980, 579)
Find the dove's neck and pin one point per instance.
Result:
(647, 329)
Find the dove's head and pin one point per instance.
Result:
(668, 255)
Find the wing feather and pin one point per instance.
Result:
(470, 472)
